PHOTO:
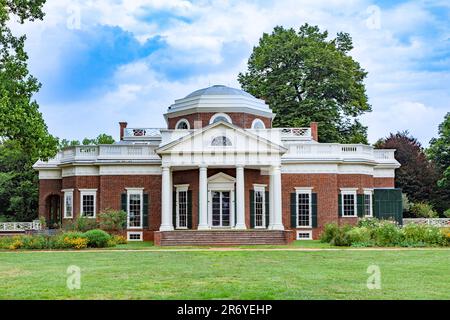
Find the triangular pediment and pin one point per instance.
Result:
(235, 140)
(221, 178)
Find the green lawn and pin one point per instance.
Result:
(407, 274)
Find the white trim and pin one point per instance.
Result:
(68, 192)
(181, 188)
(349, 191)
(260, 188)
(220, 114)
(308, 191)
(180, 121)
(88, 192)
(368, 192)
(258, 120)
(140, 192)
(303, 231)
(140, 233)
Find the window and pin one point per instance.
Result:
(258, 124)
(134, 207)
(221, 141)
(304, 235)
(349, 203)
(182, 206)
(88, 202)
(182, 124)
(220, 117)
(304, 210)
(260, 207)
(68, 203)
(368, 203)
(135, 236)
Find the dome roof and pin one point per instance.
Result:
(219, 90)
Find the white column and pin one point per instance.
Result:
(166, 203)
(277, 207)
(203, 199)
(271, 200)
(240, 198)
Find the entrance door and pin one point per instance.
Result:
(54, 211)
(220, 208)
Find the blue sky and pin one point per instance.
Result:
(105, 61)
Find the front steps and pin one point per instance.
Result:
(222, 237)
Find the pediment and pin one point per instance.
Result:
(221, 178)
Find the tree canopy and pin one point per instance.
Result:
(439, 152)
(101, 139)
(305, 77)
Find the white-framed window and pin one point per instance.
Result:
(260, 205)
(258, 124)
(221, 141)
(182, 124)
(348, 201)
(135, 236)
(368, 209)
(182, 206)
(135, 204)
(220, 117)
(304, 207)
(88, 203)
(304, 235)
(68, 203)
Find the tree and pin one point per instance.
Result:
(20, 119)
(305, 77)
(417, 176)
(439, 153)
(101, 139)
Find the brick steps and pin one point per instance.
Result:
(221, 237)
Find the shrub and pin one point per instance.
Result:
(329, 232)
(336, 235)
(423, 210)
(422, 234)
(112, 220)
(386, 234)
(34, 242)
(117, 239)
(447, 213)
(84, 224)
(97, 238)
(359, 236)
(369, 222)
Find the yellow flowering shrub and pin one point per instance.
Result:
(76, 243)
(16, 244)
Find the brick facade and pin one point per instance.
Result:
(240, 119)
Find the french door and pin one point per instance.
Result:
(220, 206)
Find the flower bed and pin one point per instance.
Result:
(383, 233)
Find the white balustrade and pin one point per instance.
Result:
(19, 226)
(142, 133)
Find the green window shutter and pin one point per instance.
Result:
(123, 202)
(145, 211)
(189, 205)
(360, 205)
(174, 210)
(252, 209)
(314, 209)
(267, 204)
(293, 210)
(339, 205)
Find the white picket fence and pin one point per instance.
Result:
(20, 226)
(438, 222)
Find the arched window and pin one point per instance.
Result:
(221, 141)
(258, 124)
(182, 124)
(220, 117)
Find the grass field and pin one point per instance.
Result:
(405, 274)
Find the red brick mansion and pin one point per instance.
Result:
(220, 174)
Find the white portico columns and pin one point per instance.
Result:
(275, 184)
(203, 198)
(240, 198)
(166, 200)
(271, 200)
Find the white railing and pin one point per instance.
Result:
(113, 151)
(295, 132)
(384, 154)
(19, 226)
(142, 133)
(437, 222)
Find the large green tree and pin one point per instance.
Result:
(304, 77)
(102, 138)
(20, 119)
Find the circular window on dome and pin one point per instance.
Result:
(258, 124)
(220, 117)
(182, 124)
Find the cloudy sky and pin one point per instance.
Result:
(105, 61)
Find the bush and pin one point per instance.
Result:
(329, 232)
(386, 234)
(117, 239)
(369, 222)
(447, 213)
(422, 234)
(336, 235)
(84, 224)
(97, 238)
(112, 220)
(360, 236)
(423, 210)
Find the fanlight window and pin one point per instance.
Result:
(220, 118)
(182, 125)
(221, 141)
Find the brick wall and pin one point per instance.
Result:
(383, 182)
(243, 120)
(47, 187)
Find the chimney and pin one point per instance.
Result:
(122, 125)
(314, 131)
